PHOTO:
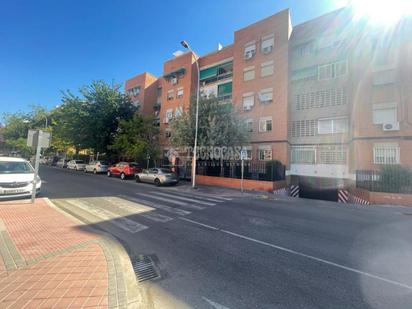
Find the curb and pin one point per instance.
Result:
(124, 291)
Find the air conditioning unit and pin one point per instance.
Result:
(267, 49)
(174, 80)
(390, 126)
(247, 107)
(249, 54)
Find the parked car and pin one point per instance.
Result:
(157, 176)
(62, 163)
(97, 167)
(16, 178)
(77, 165)
(124, 169)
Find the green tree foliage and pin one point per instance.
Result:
(218, 126)
(90, 121)
(136, 138)
(17, 125)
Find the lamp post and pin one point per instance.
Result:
(187, 46)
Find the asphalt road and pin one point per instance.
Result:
(248, 252)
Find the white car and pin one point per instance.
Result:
(97, 167)
(16, 178)
(77, 165)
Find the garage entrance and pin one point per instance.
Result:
(318, 188)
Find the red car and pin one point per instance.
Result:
(124, 170)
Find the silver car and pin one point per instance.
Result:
(157, 176)
(97, 167)
(77, 165)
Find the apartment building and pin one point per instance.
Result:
(320, 102)
(349, 93)
(142, 90)
(327, 98)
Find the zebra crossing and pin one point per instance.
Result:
(137, 213)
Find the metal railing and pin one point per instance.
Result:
(391, 180)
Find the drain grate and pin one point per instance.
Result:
(144, 268)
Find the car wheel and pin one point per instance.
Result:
(122, 176)
(109, 174)
(94, 171)
(157, 182)
(137, 179)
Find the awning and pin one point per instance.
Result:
(175, 73)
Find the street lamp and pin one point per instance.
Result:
(187, 46)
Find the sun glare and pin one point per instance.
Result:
(384, 12)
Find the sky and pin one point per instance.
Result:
(50, 46)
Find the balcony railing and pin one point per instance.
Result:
(216, 78)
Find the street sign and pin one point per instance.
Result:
(39, 140)
(33, 138)
(243, 154)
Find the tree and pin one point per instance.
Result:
(136, 138)
(90, 121)
(17, 125)
(219, 126)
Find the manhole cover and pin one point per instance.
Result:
(144, 268)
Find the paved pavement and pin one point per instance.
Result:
(48, 260)
(221, 249)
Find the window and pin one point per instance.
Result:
(174, 80)
(217, 72)
(303, 155)
(333, 154)
(332, 70)
(178, 111)
(170, 94)
(179, 93)
(168, 133)
(333, 125)
(250, 50)
(329, 41)
(321, 98)
(268, 42)
(133, 91)
(248, 101)
(384, 77)
(266, 96)
(265, 124)
(265, 153)
(249, 125)
(249, 73)
(386, 153)
(266, 69)
(300, 128)
(305, 74)
(224, 92)
(304, 49)
(169, 115)
(385, 113)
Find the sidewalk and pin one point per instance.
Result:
(48, 260)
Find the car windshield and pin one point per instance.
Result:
(133, 165)
(103, 163)
(7, 167)
(79, 161)
(165, 170)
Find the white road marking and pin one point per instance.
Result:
(311, 257)
(197, 196)
(198, 223)
(168, 200)
(184, 198)
(156, 217)
(214, 304)
(137, 208)
(117, 220)
(172, 210)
